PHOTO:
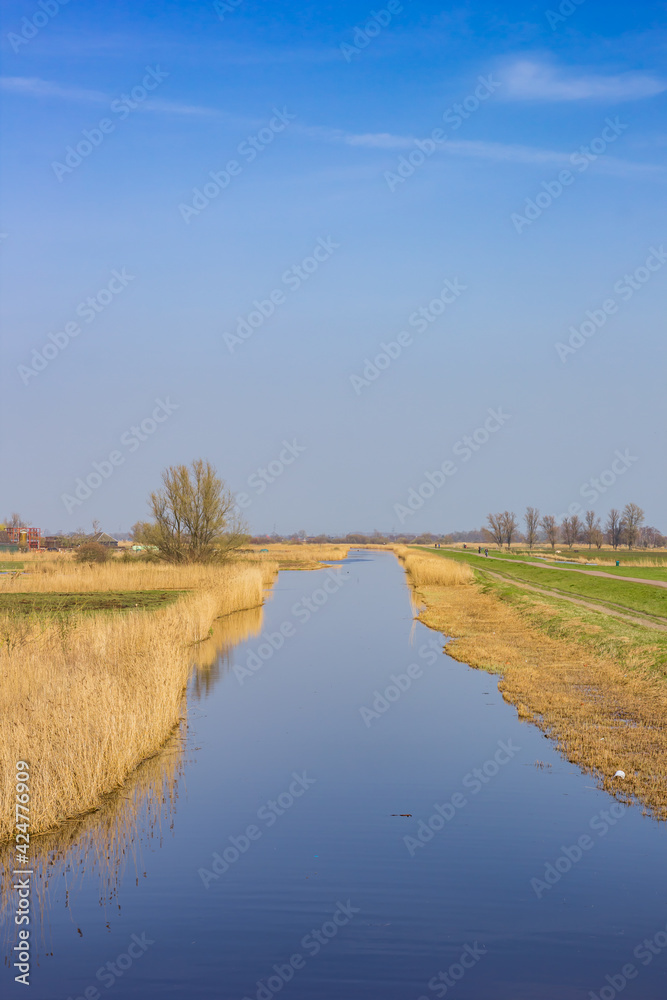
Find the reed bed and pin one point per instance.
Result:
(431, 570)
(65, 575)
(102, 843)
(84, 700)
(301, 556)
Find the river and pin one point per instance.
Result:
(351, 813)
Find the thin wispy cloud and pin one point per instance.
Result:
(478, 149)
(528, 80)
(32, 86)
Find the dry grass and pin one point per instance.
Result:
(65, 575)
(604, 715)
(301, 556)
(101, 844)
(427, 570)
(85, 699)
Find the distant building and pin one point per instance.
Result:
(102, 538)
(31, 537)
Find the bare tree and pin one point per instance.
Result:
(532, 519)
(633, 518)
(597, 536)
(550, 529)
(571, 529)
(14, 523)
(496, 528)
(613, 527)
(509, 526)
(195, 515)
(592, 525)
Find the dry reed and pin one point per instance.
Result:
(84, 700)
(604, 715)
(431, 570)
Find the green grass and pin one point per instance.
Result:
(49, 603)
(617, 594)
(11, 565)
(602, 634)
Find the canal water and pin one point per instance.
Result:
(350, 813)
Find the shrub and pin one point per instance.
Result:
(92, 552)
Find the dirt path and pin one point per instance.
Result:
(586, 572)
(647, 622)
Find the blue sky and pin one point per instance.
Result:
(232, 315)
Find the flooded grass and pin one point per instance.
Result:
(594, 684)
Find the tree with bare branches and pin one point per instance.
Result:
(550, 528)
(496, 528)
(592, 523)
(195, 518)
(632, 519)
(509, 526)
(532, 519)
(571, 529)
(613, 527)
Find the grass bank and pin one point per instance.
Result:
(86, 697)
(593, 683)
(616, 593)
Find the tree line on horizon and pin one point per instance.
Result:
(622, 527)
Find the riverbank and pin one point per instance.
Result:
(88, 695)
(592, 682)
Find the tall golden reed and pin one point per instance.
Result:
(86, 698)
(428, 570)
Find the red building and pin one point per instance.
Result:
(31, 536)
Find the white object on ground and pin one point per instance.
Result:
(620, 774)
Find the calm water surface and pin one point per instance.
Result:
(266, 854)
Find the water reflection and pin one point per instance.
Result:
(212, 656)
(99, 845)
(102, 844)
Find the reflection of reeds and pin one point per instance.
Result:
(99, 844)
(212, 655)
(85, 700)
